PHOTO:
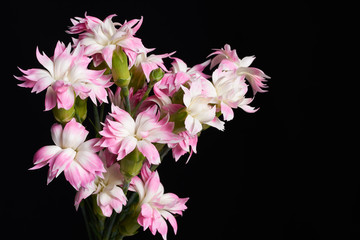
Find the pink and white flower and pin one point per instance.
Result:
(230, 60)
(102, 37)
(71, 154)
(231, 89)
(108, 191)
(183, 146)
(156, 206)
(200, 102)
(122, 134)
(65, 77)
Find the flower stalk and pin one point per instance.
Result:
(125, 94)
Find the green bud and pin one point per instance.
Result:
(120, 68)
(137, 78)
(62, 115)
(156, 75)
(131, 164)
(80, 109)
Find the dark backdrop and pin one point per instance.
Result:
(265, 176)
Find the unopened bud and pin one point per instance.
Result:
(156, 75)
(137, 78)
(120, 68)
(80, 109)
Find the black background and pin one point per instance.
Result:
(271, 174)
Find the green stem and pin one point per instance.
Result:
(109, 226)
(96, 120)
(126, 185)
(102, 109)
(83, 211)
(163, 153)
(133, 199)
(125, 93)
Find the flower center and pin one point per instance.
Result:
(100, 184)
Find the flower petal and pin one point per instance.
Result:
(168, 216)
(45, 61)
(127, 145)
(45, 153)
(56, 134)
(153, 187)
(77, 176)
(62, 161)
(73, 134)
(193, 125)
(149, 151)
(227, 112)
(138, 185)
(82, 194)
(65, 99)
(50, 99)
(90, 162)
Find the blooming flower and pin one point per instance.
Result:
(102, 37)
(110, 196)
(66, 75)
(230, 59)
(231, 89)
(156, 206)
(71, 154)
(123, 134)
(198, 100)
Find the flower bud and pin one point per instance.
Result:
(80, 109)
(120, 68)
(137, 78)
(131, 164)
(62, 115)
(156, 75)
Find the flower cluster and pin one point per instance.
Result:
(152, 109)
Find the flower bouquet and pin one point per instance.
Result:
(139, 111)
